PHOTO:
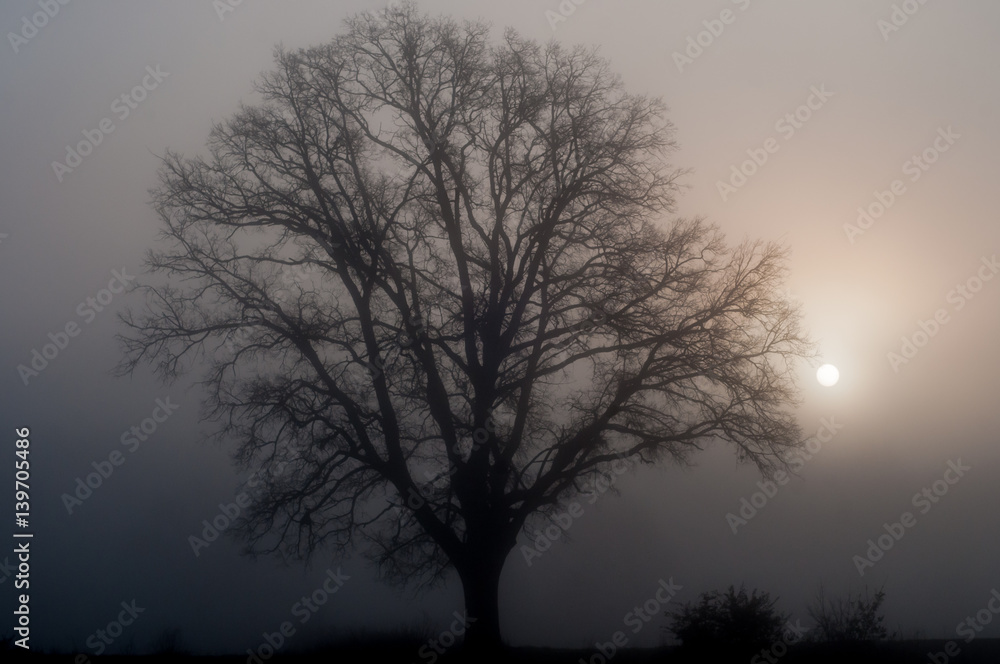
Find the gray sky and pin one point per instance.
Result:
(888, 96)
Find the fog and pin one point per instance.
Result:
(883, 188)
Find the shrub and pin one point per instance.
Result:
(851, 620)
(733, 620)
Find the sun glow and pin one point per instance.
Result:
(828, 375)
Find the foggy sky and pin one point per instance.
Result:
(888, 96)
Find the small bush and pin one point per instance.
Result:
(732, 621)
(855, 619)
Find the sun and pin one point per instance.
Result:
(828, 375)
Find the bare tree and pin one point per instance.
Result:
(489, 306)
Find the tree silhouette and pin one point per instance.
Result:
(488, 305)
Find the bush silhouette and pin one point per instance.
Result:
(731, 621)
(855, 619)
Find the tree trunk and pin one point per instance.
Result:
(481, 587)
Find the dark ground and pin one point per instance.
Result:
(980, 651)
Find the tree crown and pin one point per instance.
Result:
(484, 291)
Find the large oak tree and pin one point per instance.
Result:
(488, 302)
